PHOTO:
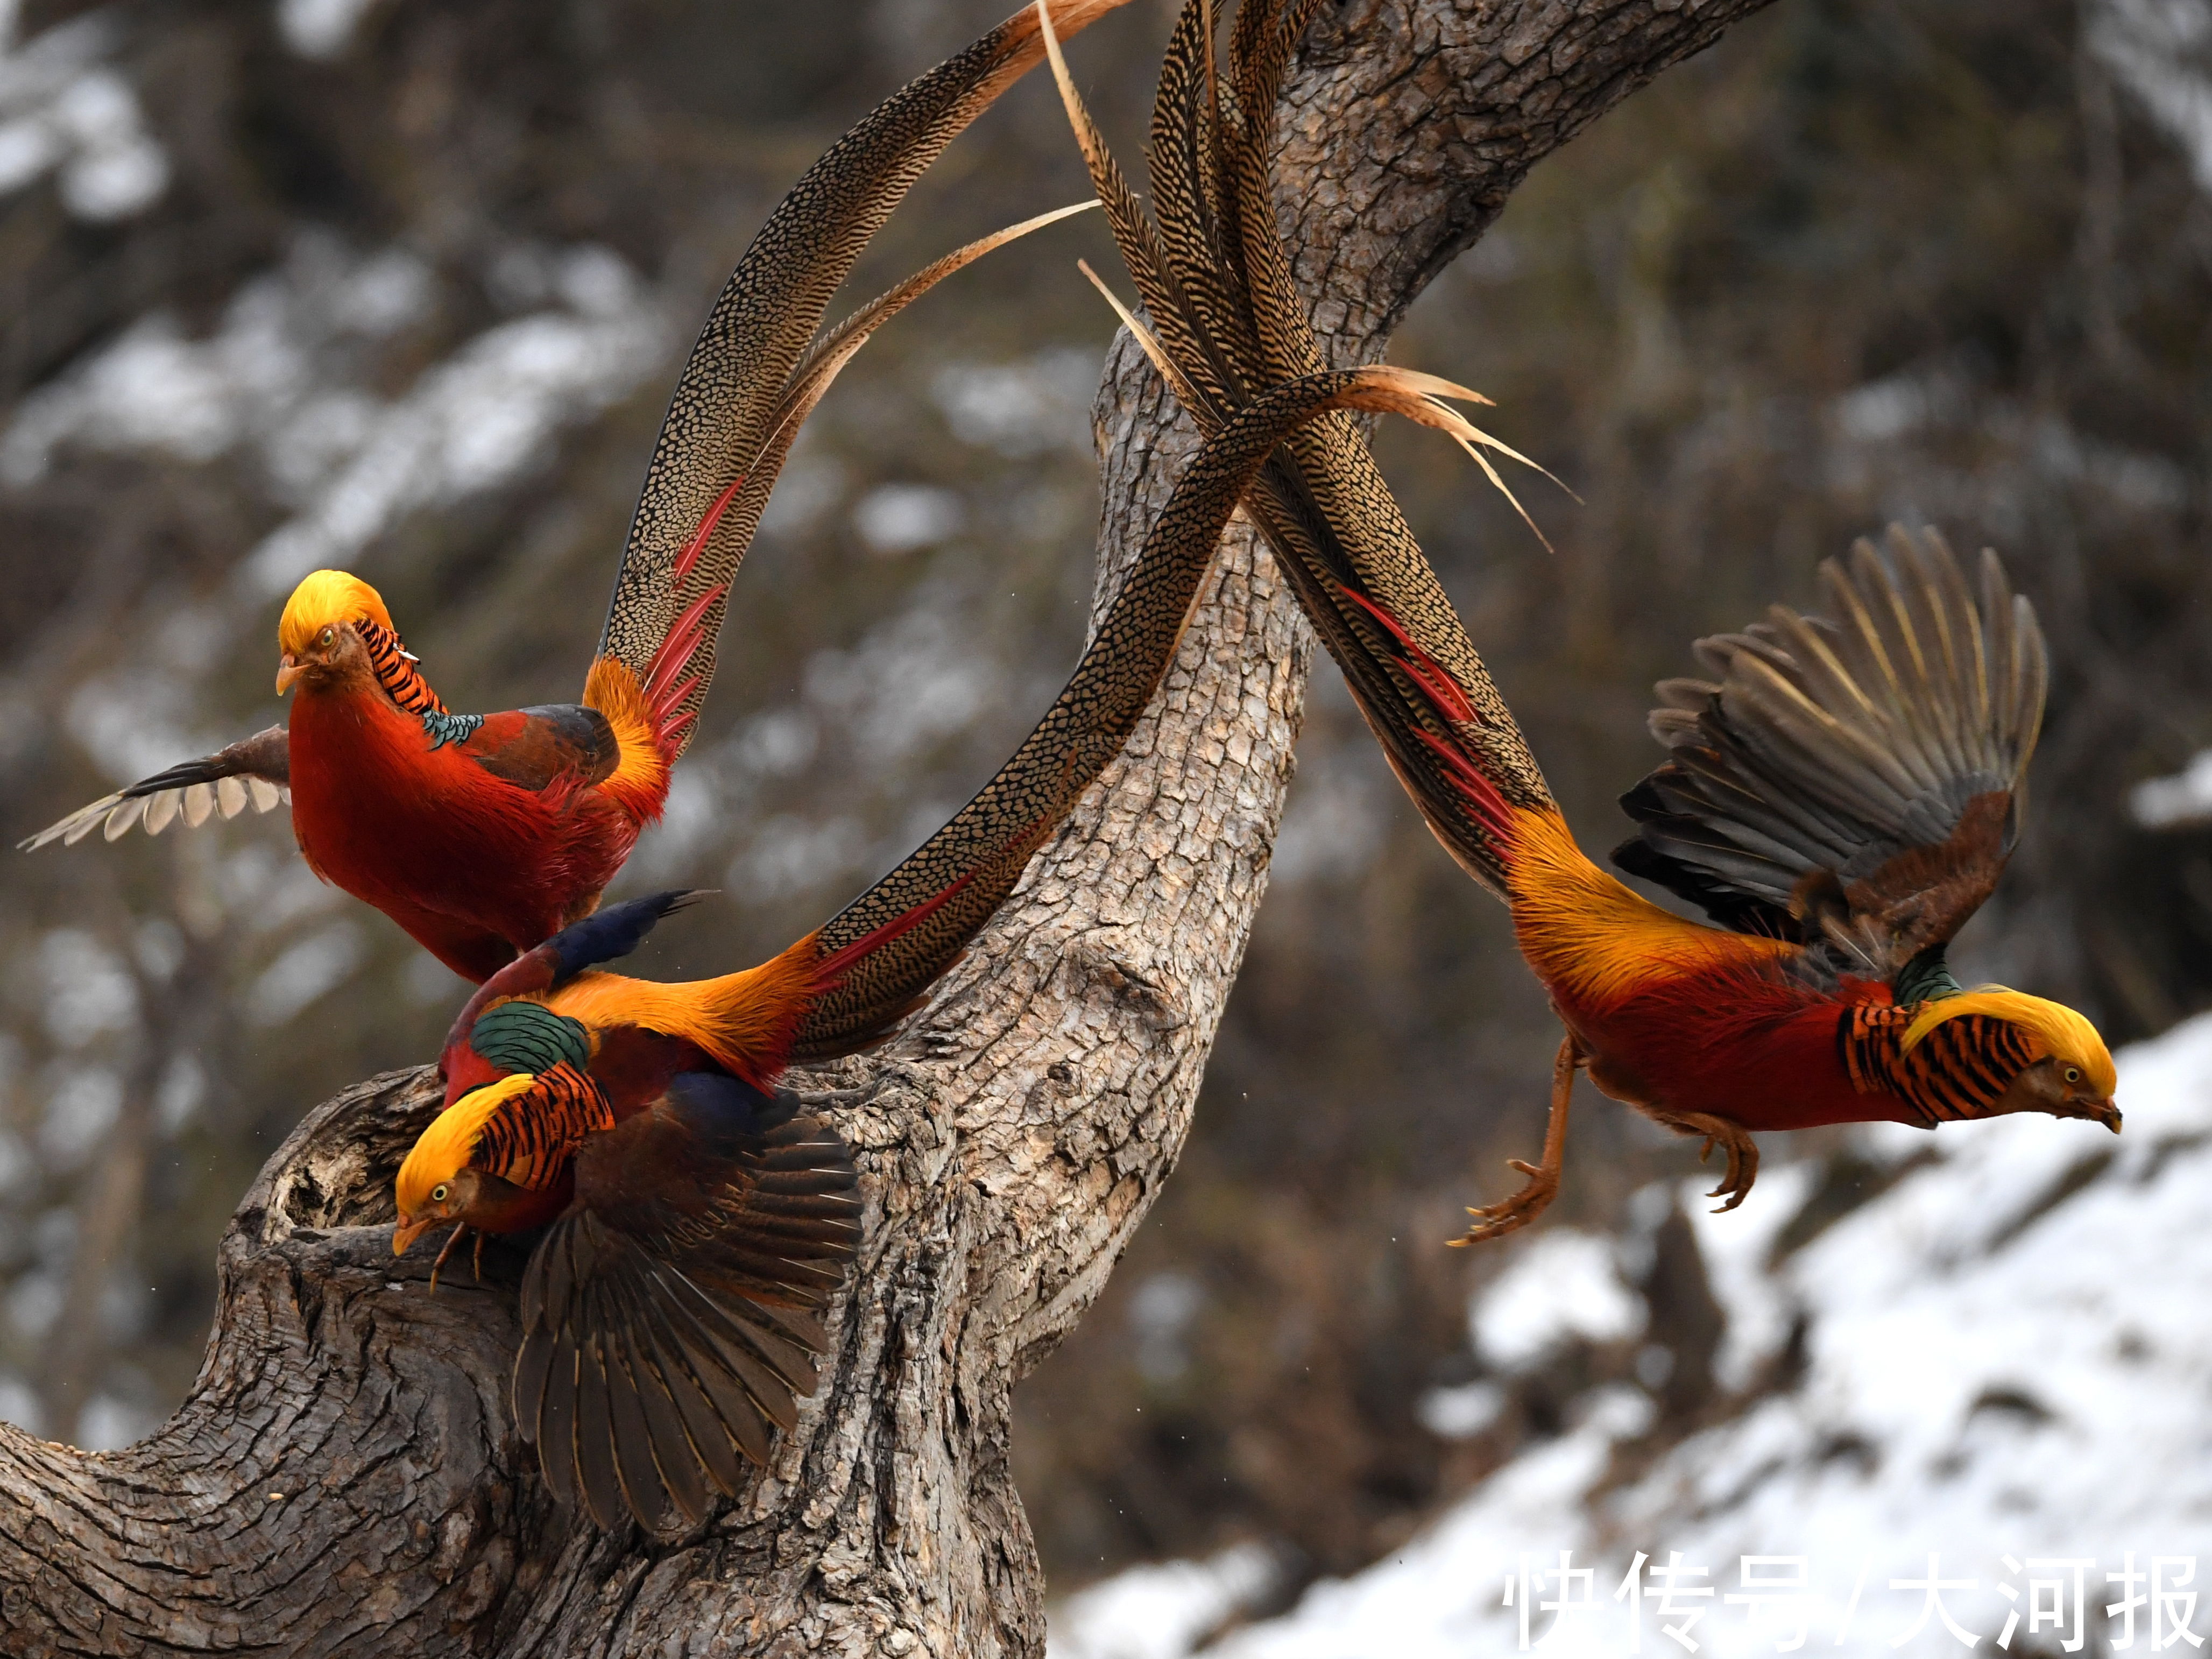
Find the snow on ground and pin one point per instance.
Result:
(2009, 1366)
(2181, 801)
(1158, 1613)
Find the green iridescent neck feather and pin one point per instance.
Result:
(445, 728)
(528, 1036)
(1926, 978)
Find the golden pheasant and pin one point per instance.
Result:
(483, 835)
(574, 1096)
(1841, 800)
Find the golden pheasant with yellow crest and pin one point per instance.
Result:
(1840, 797)
(694, 1221)
(482, 835)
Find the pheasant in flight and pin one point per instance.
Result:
(1840, 798)
(483, 835)
(695, 1221)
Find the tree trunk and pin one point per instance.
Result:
(345, 1477)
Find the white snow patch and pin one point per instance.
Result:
(895, 518)
(1160, 1316)
(109, 1424)
(1158, 1613)
(321, 29)
(307, 972)
(18, 1404)
(1333, 823)
(83, 1103)
(2177, 802)
(2161, 52)
(1563, 1286)
(2008, 1361)
(916, 679)
(286, 377)
(789, 854)
(1460, 1411)
(90, 990)
(474, 423)
(1040, 402)
(63, 110)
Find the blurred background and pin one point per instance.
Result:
(403, 287)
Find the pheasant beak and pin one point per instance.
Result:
(405, 1232)
(287, 672)
(2106, 1112)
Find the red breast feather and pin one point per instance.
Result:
(413, 829)
(1744, 1042)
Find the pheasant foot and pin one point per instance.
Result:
(451, 1239)
(1742, 1152)
(1496, 1220)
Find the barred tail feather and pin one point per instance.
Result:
(757, 363)
(941, 894)
(1226, 315)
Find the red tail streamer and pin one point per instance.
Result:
(689, 557)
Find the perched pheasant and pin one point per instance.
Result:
(1841, 800)
(483, 835)
(696, 1219)
(670, 1278)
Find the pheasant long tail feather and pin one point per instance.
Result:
(1214, 376)
(723, 421)
(967, 869)
(1225, 309)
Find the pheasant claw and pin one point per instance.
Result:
(1732, 1137)
(1510, 1215)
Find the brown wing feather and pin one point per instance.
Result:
(667, 1334)
(255, 771)
(551, 741)
(729, 417)
(1855, 777)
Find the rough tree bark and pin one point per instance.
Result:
(345, 1477)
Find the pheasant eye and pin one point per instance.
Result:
(2073, 1074)
(329, 634)
(437, 1193)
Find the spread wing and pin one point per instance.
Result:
(1857, 777)
(882, 950)
(255, 771)
(1218, 289)
(758, 365)
(666, 1330)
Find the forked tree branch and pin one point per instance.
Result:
(345, 1476)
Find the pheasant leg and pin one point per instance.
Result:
(1742, 1152)
(451, 1239)
(1496, 1220)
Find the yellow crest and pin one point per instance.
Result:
(2063, 1035)
(325, 599)
(448, 1145)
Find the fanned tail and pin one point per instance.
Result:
(758, 366)
(1228, 321)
